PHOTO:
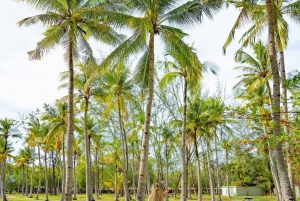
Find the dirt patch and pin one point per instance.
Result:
(10, 196)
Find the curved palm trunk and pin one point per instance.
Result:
(217, 167)
(291, 173)
(70, 131)
(183, 153)
(273, 169)
(198, 166)
(31, 179)
(124, 161)
(145, 141)
(46, 178)
(40, 176)
(211, 181)
(87, 156)
(286, 189)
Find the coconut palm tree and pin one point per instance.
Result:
(7, 130)
(270, 15)
(153, 18)
(87, 87)
(113, 156)
(69, 24)
(119, 90)
(57, 118)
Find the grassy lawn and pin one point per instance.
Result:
(110, 197)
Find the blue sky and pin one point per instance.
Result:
(25, 85)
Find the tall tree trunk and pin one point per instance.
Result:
(285, 115)
(40, 175)
(26, 189)
(188, 190)
(133, 178)
(167, 171)
(286, 189)
(46, 178)
(53, 173)
(198, 166)
(217, 170)
(211, 181)
(96, 174)
(87, 155)
(70, 130)
(176, 186)
(75, 184)
(63, 174)
(146, 134)
(273, 169)
(23, 180)
(227, 173)
(3, 166)
(183, 140)
(116, 184)
(31, 179)
(124, 161)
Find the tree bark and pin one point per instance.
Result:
(3, 166)
(183, 142)
(146, 133)
(217, 168)
(26, 188)
(273, 169)
(124, 161)
(198, 166)
(40, 175)
(46, 178)
(63, 174)
(31, 179)
(133, 178)
(286, 189)
(70, 130)
(227, 173)
(53, 173)
(75, 184)
(96, 174)
(211, 182)
(87, 155)
(116, 183)
(285, 116)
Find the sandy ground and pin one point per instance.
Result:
(10, 196)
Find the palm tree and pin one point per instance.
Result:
(57, 118)
(255, 79)
(7, 130)
(155, 19)
(113, 156)
(227, 145)
(119, 89)
(69, 24)
(87, 87)
(270, 15)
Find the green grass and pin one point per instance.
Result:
(110, 197)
